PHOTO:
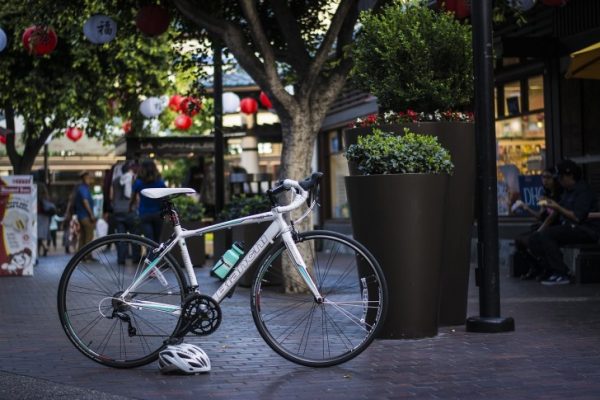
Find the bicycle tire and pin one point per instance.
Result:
(96, 323)
(320, 334)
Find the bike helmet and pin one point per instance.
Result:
(184, 358)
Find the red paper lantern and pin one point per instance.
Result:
(153, 20)
(554, 3)
(264, 100)
(126, 126)
(39, 40)
(183, 122)
(74, 133)
(460, 8)
(3, 139)
(190, 106)
(248, 105)
(175, 102)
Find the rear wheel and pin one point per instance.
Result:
(330, 332)
(98, 322)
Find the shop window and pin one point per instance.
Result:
(521, 143)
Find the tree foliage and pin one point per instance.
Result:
(79, 83)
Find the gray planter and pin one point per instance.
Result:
(399, 218)
(459, 139)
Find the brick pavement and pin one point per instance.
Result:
(553, 354)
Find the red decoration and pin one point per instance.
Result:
(3, 139)
(153, 20)
(39, 40)
(264, 100)
(248, 105)
(74, 133)
(554, 3)
(126, 126)
(460, 8)
(183, 122)
(175, 102)
(190, 106)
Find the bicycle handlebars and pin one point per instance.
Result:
(300, 194)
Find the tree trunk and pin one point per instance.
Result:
(298, 142)
(23, 163)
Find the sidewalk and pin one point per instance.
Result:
(553, 354)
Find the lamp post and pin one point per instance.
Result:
(487, 272)
(219, 146)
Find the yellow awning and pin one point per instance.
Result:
(585, 63)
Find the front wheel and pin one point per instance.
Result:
(320, 334)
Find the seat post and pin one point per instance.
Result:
(168, 210)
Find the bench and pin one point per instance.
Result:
(584, 261)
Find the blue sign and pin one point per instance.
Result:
(531, 189)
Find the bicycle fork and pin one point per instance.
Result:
(296, 257)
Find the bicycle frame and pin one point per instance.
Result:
(277, 227)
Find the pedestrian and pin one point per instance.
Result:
(125, 220)
(46, 209)
(148, 209)
(574, 227)
(84, 209)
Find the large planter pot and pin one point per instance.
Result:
(399, 218)
(195, 244)
(459, 139)
(221, 243)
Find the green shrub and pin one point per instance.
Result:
(412, 57)
(188, 208)
(385, 153)
(242, 206)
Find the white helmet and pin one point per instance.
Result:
(185, 358)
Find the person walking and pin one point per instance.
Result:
(123, 218)
(84, 209)
(46, 209)
(148, 209)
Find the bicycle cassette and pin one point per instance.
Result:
(201, 315)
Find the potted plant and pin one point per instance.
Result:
(190, 212)
(397, 212)
(418, 63)
(241, 206)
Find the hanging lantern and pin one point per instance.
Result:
(264, 100)
(554, 3)
(190, 106)
(151, 107)
(3, 40)
(248, 105)
(3, 139)
(231, 102)
(175, 102)
(100, 29)
(39, 40)
(153, 20)
(183, 122)
(74, 133)
(460, 8)
(126, 126)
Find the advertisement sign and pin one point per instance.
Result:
(18, 225)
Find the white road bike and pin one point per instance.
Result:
(318, 310)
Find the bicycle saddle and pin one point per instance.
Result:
(159, 193)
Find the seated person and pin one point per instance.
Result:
(574, 226)
(552, 190)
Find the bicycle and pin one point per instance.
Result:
(124, 315)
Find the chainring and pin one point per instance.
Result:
(201, 315)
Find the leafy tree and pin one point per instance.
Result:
(79, 83)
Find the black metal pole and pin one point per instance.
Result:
(219, 145)
(487, 273)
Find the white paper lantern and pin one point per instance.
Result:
(152, 107)
(3, 40)
(100, 29)
(231, 102)
(522, 5)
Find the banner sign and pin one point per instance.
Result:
(18, 225)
